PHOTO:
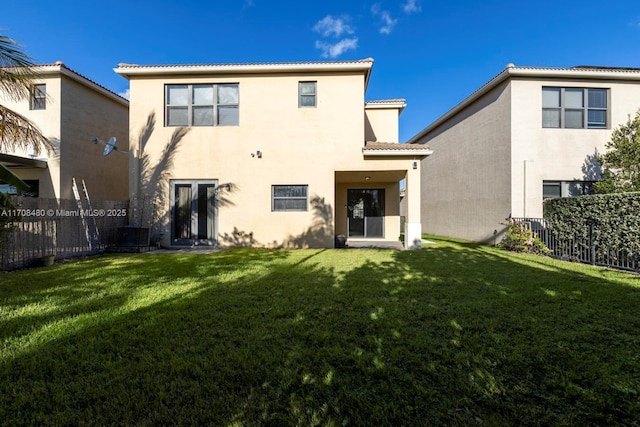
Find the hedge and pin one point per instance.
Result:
(612, 220)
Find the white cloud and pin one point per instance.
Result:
(333, 50)
(248, 4)
(335, 28)
(125, 94)
(387, 21)
(411, 6)
(330, 26)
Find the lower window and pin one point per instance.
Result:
(33, 191)
(289, 197)
(552, 189)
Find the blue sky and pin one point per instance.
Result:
(432, 53)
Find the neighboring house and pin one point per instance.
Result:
(69, 109)
(526, 135)
(271, 154)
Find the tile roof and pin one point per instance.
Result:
(511, 70)
(375, 145)
(363, 66)
(397, 103)
(394, 149)
(594, 68)
(61, 66)
(246, 64)
(604, 68)
(387, 101)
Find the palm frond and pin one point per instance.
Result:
(7, 176)
(18, 133)
(17, 70)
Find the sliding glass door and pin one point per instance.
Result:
(365, 212)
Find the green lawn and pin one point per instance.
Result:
(454, 334)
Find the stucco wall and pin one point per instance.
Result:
(490, 159)
(296, 145)
(466, 181)
(48, 121)
(381, 124)
(85, 114)
(73, 114)
(299, 146)
(557, 154)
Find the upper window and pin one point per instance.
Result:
(307, 94)
(202, 105)
(289, 197)
(38, 99)
(574, 108)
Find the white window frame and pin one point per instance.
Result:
(302, 95)
(216, 105)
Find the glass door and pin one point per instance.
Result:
(182, 207)
(193, 216)
(206, 213)
(365, 212)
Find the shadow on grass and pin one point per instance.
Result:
(455, 334)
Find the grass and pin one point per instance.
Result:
(454, 334)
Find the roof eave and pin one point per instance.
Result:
(127, 71)
(396, 153)
(59, 68)
(14, 161)
(512, 71)
(382, 105)
(465, 102)
(574, 73)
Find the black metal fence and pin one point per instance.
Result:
(580, 249)
(58, 229)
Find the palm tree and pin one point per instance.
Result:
(17, 73)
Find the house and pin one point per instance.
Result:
(526, 135)
(70, 109)
(268, 154)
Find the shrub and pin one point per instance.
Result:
(608, 220)
(519, 238)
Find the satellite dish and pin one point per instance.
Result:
(110, 146)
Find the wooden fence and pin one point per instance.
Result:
(58, 228)
(580, 249)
